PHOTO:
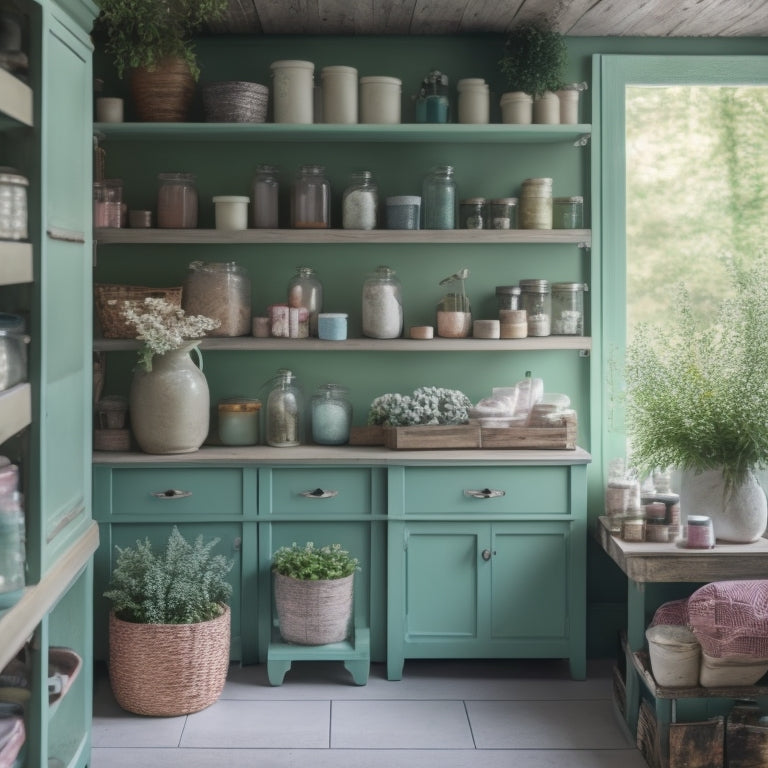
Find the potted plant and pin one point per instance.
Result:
(152, 41)
(697, 400)
(533, 65)
(169, 626)
(313, 592)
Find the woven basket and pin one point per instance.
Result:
(110, 303)
(166, 670)
(235, 102)
(314, 612)
(164, 94)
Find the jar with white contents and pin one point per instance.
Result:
(360, 202)
(382, 305)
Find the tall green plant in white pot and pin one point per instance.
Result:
(697, 400)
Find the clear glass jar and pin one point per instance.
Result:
(284, 411)
(331, 415)
(536, 300)
(360, 202)
(239, 420)
(306, 290)
(536, 204)
(221, 290)
(439, 198)
(176, 201)
(568, 212)
(432, 103)
(13, 205)
(508, 296)
(473, 213)
(265, 188)
(568, 309)
(107, 203)
(382, 305)
(311, 199)
(502, 213)
(12, 549)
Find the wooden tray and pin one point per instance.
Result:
(508, 438)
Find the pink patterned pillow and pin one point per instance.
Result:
(674, 612)
(730, 618)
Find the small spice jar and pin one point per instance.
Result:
(382, 305)
(568, 309)
(176, 201)
(311, 199)
(536, 300)
(264, 192)
(502, 213)
(656, 529)
(239, 421)
(360, 202)
(508, 297)
(403, 212)
(633, 529)
(331, 415)
(701, 533)
(472, 213)
(536, 204)
(567, 212)
(13, 205)
(222, 291)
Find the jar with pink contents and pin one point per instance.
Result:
(176, 201)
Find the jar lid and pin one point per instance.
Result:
(471, 82)
(505, 290)
(698, 520)
(542, 286)
(473, 201)
(569, 287)
(231, 199)
(573, 199)
(338, 70)
(292, 64)
(176, 178)
(544, 182)
(513, 96)
(504, 201)
(383, 79)
(334, 315)
(404, 200)
(671, 634)
(240, 404)
(216, 266)
(10, 322)
(12, 176)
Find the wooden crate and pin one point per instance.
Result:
(368, 435)
(470, 436)
(697, 745)
(429, 438)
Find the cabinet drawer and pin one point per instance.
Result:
(323, 490)
(208, 492)
(513, 490)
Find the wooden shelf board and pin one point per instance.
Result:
(15, 410)
(15, 262)
(15, 99)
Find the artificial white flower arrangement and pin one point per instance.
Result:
(427, 405)
(163, 326)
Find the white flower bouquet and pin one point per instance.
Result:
(427, 405)
(162, 326)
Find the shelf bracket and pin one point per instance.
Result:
(582, 141)
(583, 353)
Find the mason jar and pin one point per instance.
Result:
(13, 205)
(472, 213)
(264, 213)
(331, 415)
(222, 291)
(568, 212)
(176, 201)
(311, 199)
(439, 198)
(285, 407)
(502, 213)
(382, 305)
(568, 309)
(536, 204)
(360, 202)
(507, 297)
(536, 300)
(306, 290)
(238, 420)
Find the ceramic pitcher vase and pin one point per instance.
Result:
(169, 405)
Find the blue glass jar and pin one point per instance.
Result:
(439, 199)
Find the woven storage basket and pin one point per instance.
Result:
(235, 102)
(163, 94)
(110, 303)
(314, 612)
(166, 670)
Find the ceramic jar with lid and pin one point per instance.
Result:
(382, 305)
(231, 212)
(222, 291)
(238, 420)
(331, 415)
(311, 199)
(13, 205)
(474, 101)
(360, 202)
(380, 98)
(293, 91)
(339, 94)
(284, 411)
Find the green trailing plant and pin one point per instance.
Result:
(184, 584)
(697, 396)
(534, 59)
(311, 563)
(140, 33)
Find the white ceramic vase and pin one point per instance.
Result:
(169, 405)
(739, 515)
(517, 108)
(546, 109)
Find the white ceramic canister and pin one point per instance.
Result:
(231, 212)
(517, 108)
(339, 94)
(109, 109)
(292, 91)
(380, 99)
(675, 655)
(474, 101)
(569, 103)
(546, 109)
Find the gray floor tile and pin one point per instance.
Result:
(260, 724)
(400, 725)
(545, 725)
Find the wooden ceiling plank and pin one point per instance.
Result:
(283, 17)
(723, 17)
(392, 17)
(534, 12)
(437, 17)
(620, 15)
(566, 14)
(241, 18)
(489, 15)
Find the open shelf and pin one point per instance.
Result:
(15, 262)
(15, 99)
(15, 410)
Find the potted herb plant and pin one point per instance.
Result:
(533, 65)
(152, 40)
(313, 592)
(169, 626)
(697, 400)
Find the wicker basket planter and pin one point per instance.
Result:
(164, 94)
(235, 102)
(166, 670)
(314, 612)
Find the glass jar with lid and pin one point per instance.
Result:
(311, 199)
(306, 290)
(13, 205)
(12, 550)
(508, 297)
(432, 103)
(568, 212)
(536, 204)
(331, 415)
(439, 198)
(472, 213)
(264, 213)
(238, 420)
(568, 309)
(536, 300)
(360, 202)
(176, 201)
(502, 213)
(222, 291)
(382, 305)
(284, 411)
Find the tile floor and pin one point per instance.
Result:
(451, 714)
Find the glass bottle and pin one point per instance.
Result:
(536, 300)
(176, 201)
(360, 202)
(265, 195)
(439, 198)
(306, 290)
(331, 415)
(382, 305)
(284, 411)
(311, 199)
(12, 549)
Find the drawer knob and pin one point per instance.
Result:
(171, 493)
(485, 493)
(319, 493)
(487, 554)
